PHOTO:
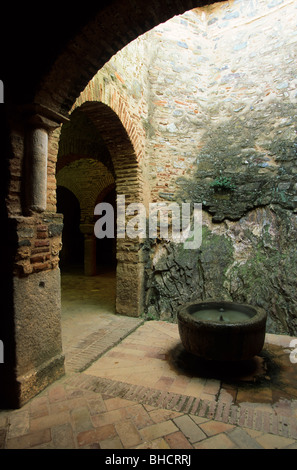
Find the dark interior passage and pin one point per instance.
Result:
(72, 253)
(106, 247)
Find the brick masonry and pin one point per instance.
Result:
(279, 422)
(39, 243)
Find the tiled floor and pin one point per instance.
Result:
(129, 384)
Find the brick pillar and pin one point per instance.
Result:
(89, 249)
(31, 326)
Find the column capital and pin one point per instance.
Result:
(37, 115)
(87, 229)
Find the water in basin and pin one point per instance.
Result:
(221, 315)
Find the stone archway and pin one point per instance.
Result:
(128, 182)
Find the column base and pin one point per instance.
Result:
(33, 382)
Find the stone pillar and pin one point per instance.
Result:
(89, 249)
(36, 156)
(130, 278)
(31, 325)
(39, 121)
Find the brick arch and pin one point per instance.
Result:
(102, 194)
(126, 167)
(85, 178)
(116, 101)
(128, 182)
(112, 28)
(70, 158)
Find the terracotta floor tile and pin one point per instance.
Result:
(128, 434)
(221, 441)
(143, 378)
(150, 408)
(212, 386)
(95, 435)
(189, 428)
(56, 393)
(141, 418)
(163, 383)
(215, 427)
(227, 395)
(167, 330)
(159, 415)
(198, 419)
(37, 424)
(253, 433)
(21, 442)
(195, 387)
(179, 385)
(115, 403)
(207, 396)
(177, 440)
(155, 444)
(96, 405)
(110, 417)
(249, 395)
(158, 430)
(112, 443)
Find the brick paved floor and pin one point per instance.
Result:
(113, 404)
(142, 391)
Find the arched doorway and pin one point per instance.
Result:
(106, 247)
(72, 238)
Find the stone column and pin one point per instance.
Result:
(89, 249)
(36, 155)
(39, 121)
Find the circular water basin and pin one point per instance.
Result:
(222, 330)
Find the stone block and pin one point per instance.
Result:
(37, 310)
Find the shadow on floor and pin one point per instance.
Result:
(266, 378)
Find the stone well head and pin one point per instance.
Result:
(221, 330)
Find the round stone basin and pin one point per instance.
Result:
(222, 330)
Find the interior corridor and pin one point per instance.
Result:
(89, 319)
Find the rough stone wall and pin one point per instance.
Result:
(222, 131)
(177, 113)
(222, 105)
(250, 134)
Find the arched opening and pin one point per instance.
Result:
(127, 181)
(97, 162)
(72, 251)
(106, 248)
